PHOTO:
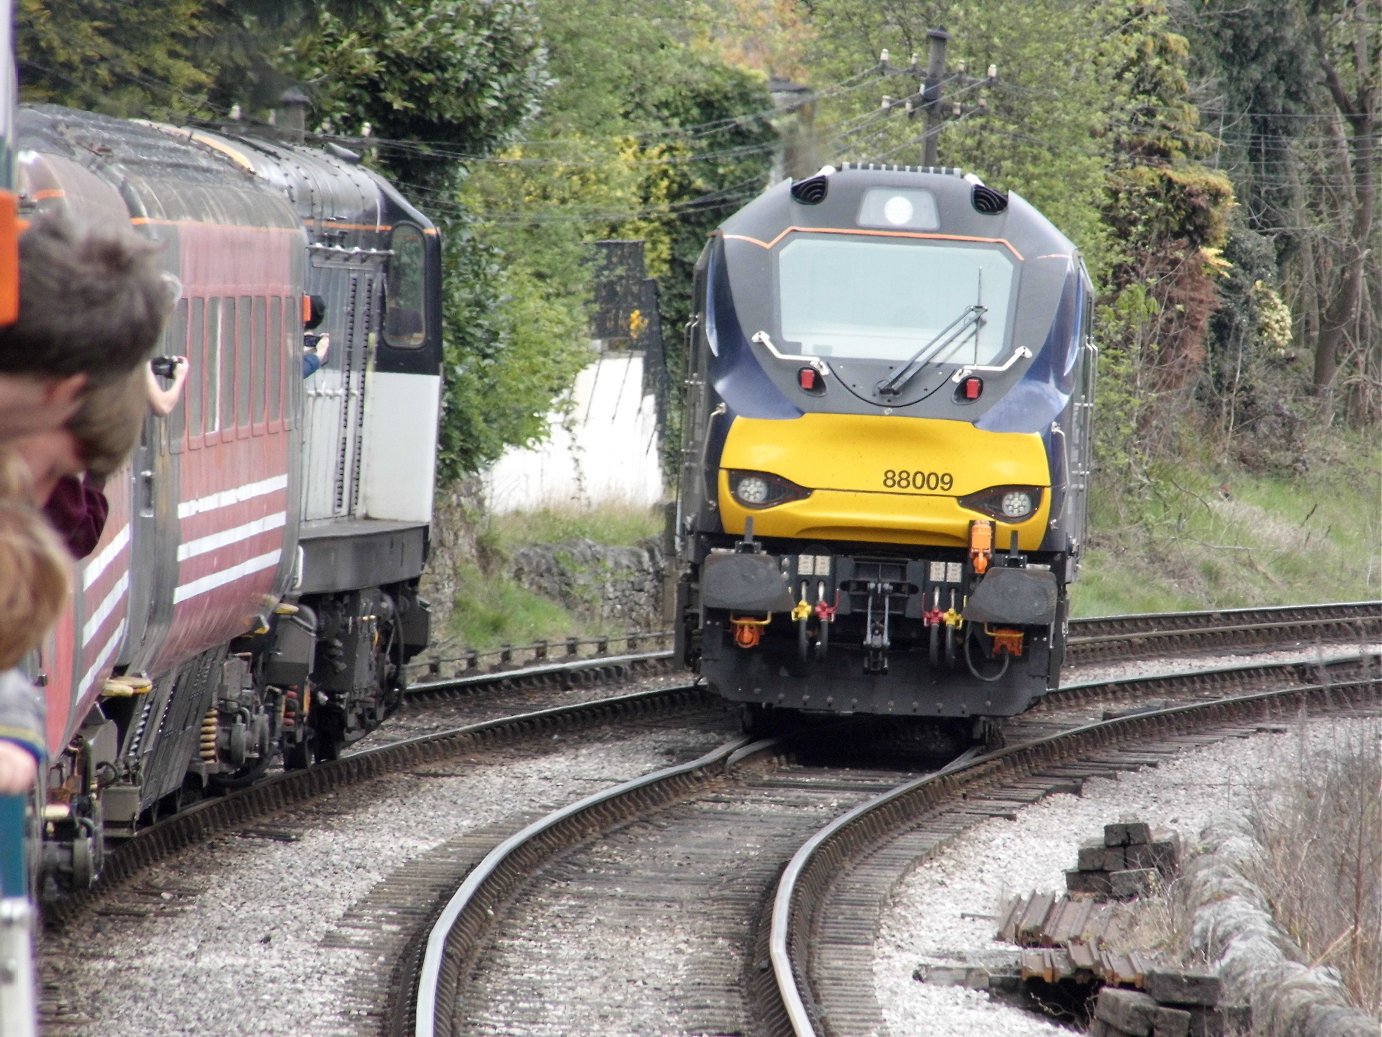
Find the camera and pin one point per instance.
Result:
(164, 366)
(310, 339)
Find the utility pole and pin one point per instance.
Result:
(928, 99)
(931, 96)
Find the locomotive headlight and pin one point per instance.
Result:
(1006, 503)
(751, 489)
(1017, 504)
(762, 490)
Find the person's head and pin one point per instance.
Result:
(91, 307)
(96, 439)
(107, 423)
(35, 570)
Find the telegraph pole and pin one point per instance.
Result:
(928, 100)
(931, 96)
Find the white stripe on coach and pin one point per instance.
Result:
(91, 572)
(103, 657)
(210, 542)
(224, 576)
(102, 611)
(234, 495)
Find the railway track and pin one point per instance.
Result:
(1091, 640)
(255, 813)
(840, 879)
(445, 716)
(476, 981)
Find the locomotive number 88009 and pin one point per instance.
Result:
(887, 448)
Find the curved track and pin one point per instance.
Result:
(651, 856)
(400, 906)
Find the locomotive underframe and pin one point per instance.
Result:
(865, 629)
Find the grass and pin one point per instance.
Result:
(1198, 536)
(1321, 869)
(510, 613)
(506, 614)
(612, 524)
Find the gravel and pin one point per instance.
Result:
(240, 953)
(943, 912)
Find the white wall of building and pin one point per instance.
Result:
(606, 451)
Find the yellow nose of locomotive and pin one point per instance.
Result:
(886, 479)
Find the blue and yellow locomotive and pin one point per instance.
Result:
(886, 450)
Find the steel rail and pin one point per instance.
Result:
(438, 977)
(906, 801)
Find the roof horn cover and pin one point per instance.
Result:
(813, 189)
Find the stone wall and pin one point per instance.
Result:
(617, 589)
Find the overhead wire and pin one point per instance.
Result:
(864, 130)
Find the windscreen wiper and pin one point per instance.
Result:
(972, 316)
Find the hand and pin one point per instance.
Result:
(161, 400)
(18, 769)
(323, 344)
(180, 372)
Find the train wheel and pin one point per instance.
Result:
(324, 750)
(757, 721)
(295, 756)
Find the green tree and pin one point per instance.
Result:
(1038, 129)
(1295, 87)
(443, 85)
(1170, 215)
(435, 81)
(112, 56)
(654, 138)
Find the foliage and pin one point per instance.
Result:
(1039, 131)
(112, 56)
(1170, 217)
(1199, 532)
(714, 156)
(1296, 90)
(501, 369)
(656, 146)
(436, 80)
(505, 614)
(1250, 57)
(1254, 380)
(656, 121)
(441, 86)
(612, 524)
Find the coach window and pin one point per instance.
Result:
(193, 402)
(405, 289)
(243, 325)
(224, 317)
(177, 419)
(274, 366)
(258, 349)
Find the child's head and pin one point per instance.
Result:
(35, 569)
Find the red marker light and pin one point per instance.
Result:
(972, 387)
(808, 379)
